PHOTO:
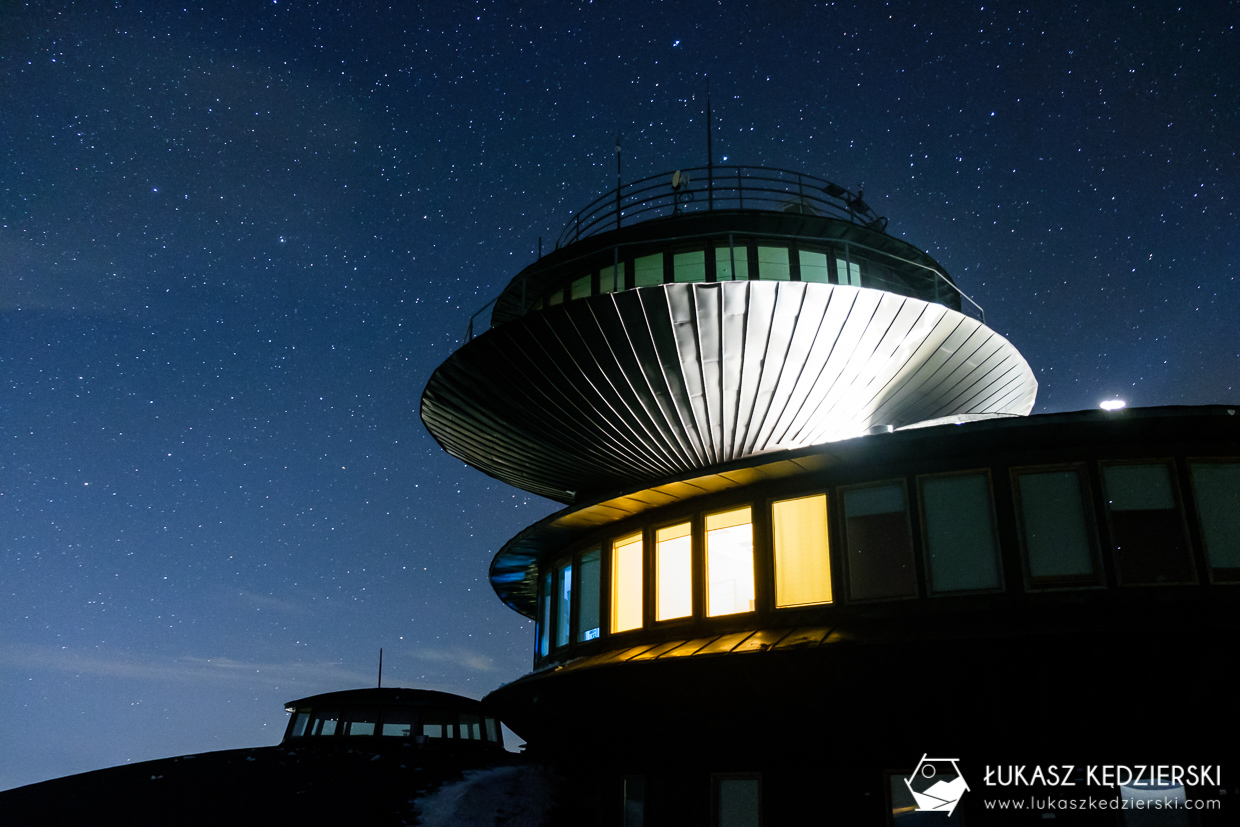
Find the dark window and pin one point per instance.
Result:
(1147, 533)
(544, 617)
(737, 801)
(397, 723)
(633, 801)
(299, 724)
(879, 549)
(588, 599)
(1055, 527)
(961, 552)
(1216, 489)
(563, 600)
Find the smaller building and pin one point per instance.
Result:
(435, 720)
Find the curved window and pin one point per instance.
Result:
(729, 563)
(588, 599)
(877, 544)
(1147, 533)
(674, 572)
(959, 526)
(648, 270)
(626, 584)
(1216, 488)
(1055, 529)
(802, 552)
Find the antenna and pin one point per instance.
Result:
(380, 686)
(618, 184)
(710, 152)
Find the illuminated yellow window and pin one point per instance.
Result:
(802, 555)
(674, 572)
(626, 584)
(729, 562)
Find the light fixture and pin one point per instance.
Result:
(1112, 404)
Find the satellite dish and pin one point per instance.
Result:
(679, 180)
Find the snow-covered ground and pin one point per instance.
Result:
(510, 796)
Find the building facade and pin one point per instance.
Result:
(811, 534)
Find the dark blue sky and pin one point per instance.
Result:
(235, 240)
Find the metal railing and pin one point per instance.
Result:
(701, 189)
(718, 188)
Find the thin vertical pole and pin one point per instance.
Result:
(380, 686)
(710, 152)
(617, 181)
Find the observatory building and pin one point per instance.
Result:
(811, 534)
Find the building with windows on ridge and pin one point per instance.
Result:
(810, 532)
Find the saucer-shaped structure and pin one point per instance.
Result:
(615, 389)
(770, 316)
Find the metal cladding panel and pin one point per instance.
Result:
(615, 390)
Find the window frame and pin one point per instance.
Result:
(919, 585)
(1194, 576)
(1189, 462)
(1000, 574)
(833, 551)
(1062, 582)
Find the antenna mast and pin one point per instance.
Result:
(380, 686)
(617, 180)
(710, 152)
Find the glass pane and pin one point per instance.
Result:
(848, 272)
(492, 730)
(688, 267)
(1054, 527)
(563, 602)
(773, 264)
(802, 555)
(879, 549)
(325, 722)
(556, 298)
(580, 288)
(728, 270)
(588, 600)
(960, 533)
(814, 267)
(1147, 534)
(397, 723)
(626, 584)
(544, 617)
(648, 270)
(1216, 487)
(673, 572)
(737, 802)
(299, 724)
(438, 723)
(361, 728)
(729, 562)
(471, 726)
(634, 807)
(360, 721)
(607, 279)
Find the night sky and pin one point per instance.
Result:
(235, 240)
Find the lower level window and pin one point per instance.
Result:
(737, 801)
(633, 801)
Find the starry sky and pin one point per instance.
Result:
(236, 238)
